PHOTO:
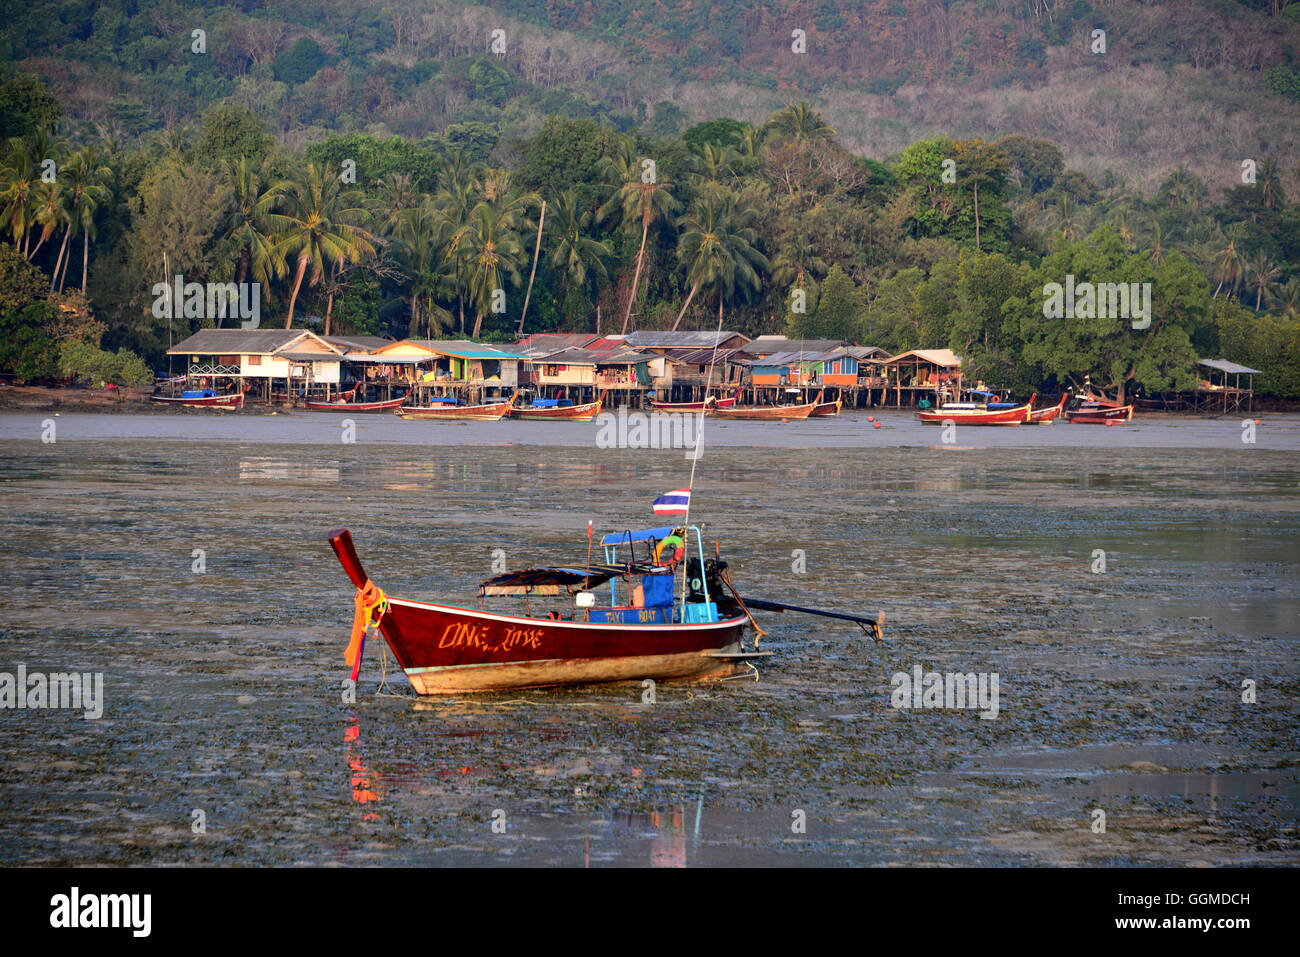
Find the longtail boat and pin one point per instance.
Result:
(827, 408)
(345, 405)
(1095, 414)
(203, 398)
(555, 410)
(1048, 415)
(712, 402)
(976, 413)
(452, 410)
(653, 628)
(768, 412)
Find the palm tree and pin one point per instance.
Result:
(801, 123)
(795, 261)
(716, 164)
(1158, 250)
(87, 177)
(320, 224)
(1262, 273)
(19, 182)
(1228, 266)
(719, 249)
(1286, 299)
(247, 223)
(638, 194)
(422, 237)
(492, 253)
(575, 254)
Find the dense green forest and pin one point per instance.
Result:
(383, 171)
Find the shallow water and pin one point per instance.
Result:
(1119, 690)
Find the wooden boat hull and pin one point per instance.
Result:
(826, 408)
(565, 413)
(493, 412)
(450, 649)
(727, 403)
(765, 413)
(1047, 416)
(385, 406)
(1110, 415)
(1014, 416)
(214, 401)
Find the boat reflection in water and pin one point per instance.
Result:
(363, 781)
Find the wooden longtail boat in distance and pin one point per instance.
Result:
(659, 631)
(1048, 415)
(451, 411)
(203, 398)
(712, 402)
(768, 413)
(1089, 414)
(827, 408)
(344, 405)
(974, 413)
(552, 410)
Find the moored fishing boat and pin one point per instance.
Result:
(451, 410)
(826, 408)
(203, 398)
(654, 629)
(1096, 414)
(976, 413)
(347, 405)
(770, 413)
(558, 410)
(1048, 415)
(712, 402)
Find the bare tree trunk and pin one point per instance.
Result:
(977, 217)
(686, 305)
(59, 262)
(85, 258)
(532, 275)
(636, 278)
(297, 284)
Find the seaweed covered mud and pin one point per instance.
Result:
(1132, 603)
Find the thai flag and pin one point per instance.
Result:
(676, 502)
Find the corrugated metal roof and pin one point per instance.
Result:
(464, 349)
(680, 339)
(701, 357)
(940, 357)
(765, 345)
(545, 343)
(211, 342)
(1223, 365)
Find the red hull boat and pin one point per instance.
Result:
(712, 402)
(385, 406)
(490, 412)
(767, 413)
(450, 649)
(1100, 415)
(559, 413)
(1048, 415)
(826, 408)
(968, 413)
(235, 401)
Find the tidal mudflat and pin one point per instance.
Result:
(190, 568)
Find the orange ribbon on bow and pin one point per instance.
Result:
(369, 601)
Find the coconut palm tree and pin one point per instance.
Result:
(575, 255)
(318, 223)
(247, 221)
(1228, 267)
(492, 254)
(422, 236)
(87, 179)
(1286, 300)
(1262, 274)
(801, 123)
(719, 250)
(639, 194)
(795, 261)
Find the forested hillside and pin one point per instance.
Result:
(915, 178)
